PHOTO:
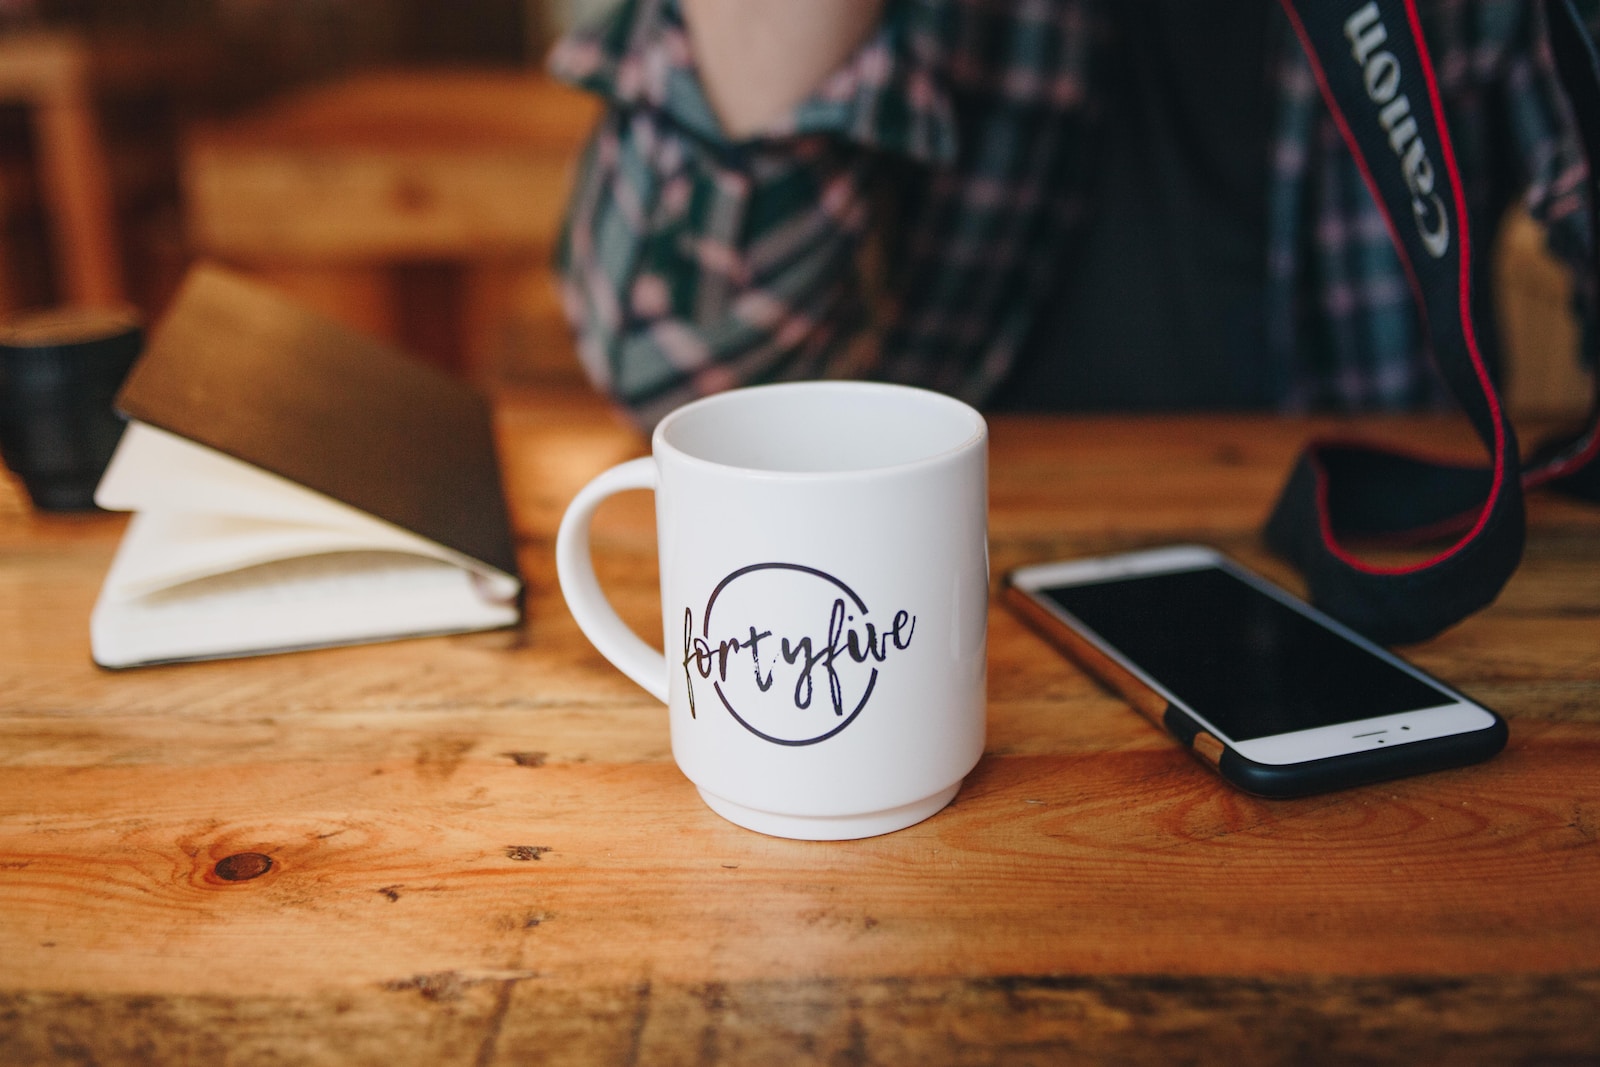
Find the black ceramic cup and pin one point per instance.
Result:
(59, 374)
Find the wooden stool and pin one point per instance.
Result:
(1539, 329)
(416, 206)
(50, 74)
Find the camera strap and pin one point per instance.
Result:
(1373, 68)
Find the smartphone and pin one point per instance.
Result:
(1279, 698)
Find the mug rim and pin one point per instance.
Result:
(980, 428)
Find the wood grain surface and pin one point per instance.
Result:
(477, 849)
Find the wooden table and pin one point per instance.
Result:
(481, 852)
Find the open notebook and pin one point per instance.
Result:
(294, 485)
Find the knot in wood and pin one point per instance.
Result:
(243, 866)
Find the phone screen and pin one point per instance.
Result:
(1249, 664)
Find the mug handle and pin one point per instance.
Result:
(595, 616)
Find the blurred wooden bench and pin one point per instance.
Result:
(419, 206)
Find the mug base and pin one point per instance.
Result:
(830, 827)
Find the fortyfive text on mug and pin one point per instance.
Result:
(791, 652)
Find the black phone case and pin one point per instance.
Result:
(1337, 772)
(1261, 779)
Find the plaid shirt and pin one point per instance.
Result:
(903, 223)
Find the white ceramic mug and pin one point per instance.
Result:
(824, 591)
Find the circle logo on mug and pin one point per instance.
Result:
(790, 651)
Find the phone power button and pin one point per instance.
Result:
(1208, 748)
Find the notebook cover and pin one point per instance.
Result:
(237, 367)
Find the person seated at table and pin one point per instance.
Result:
(1041, 204)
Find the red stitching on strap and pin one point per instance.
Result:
(1469, 333)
